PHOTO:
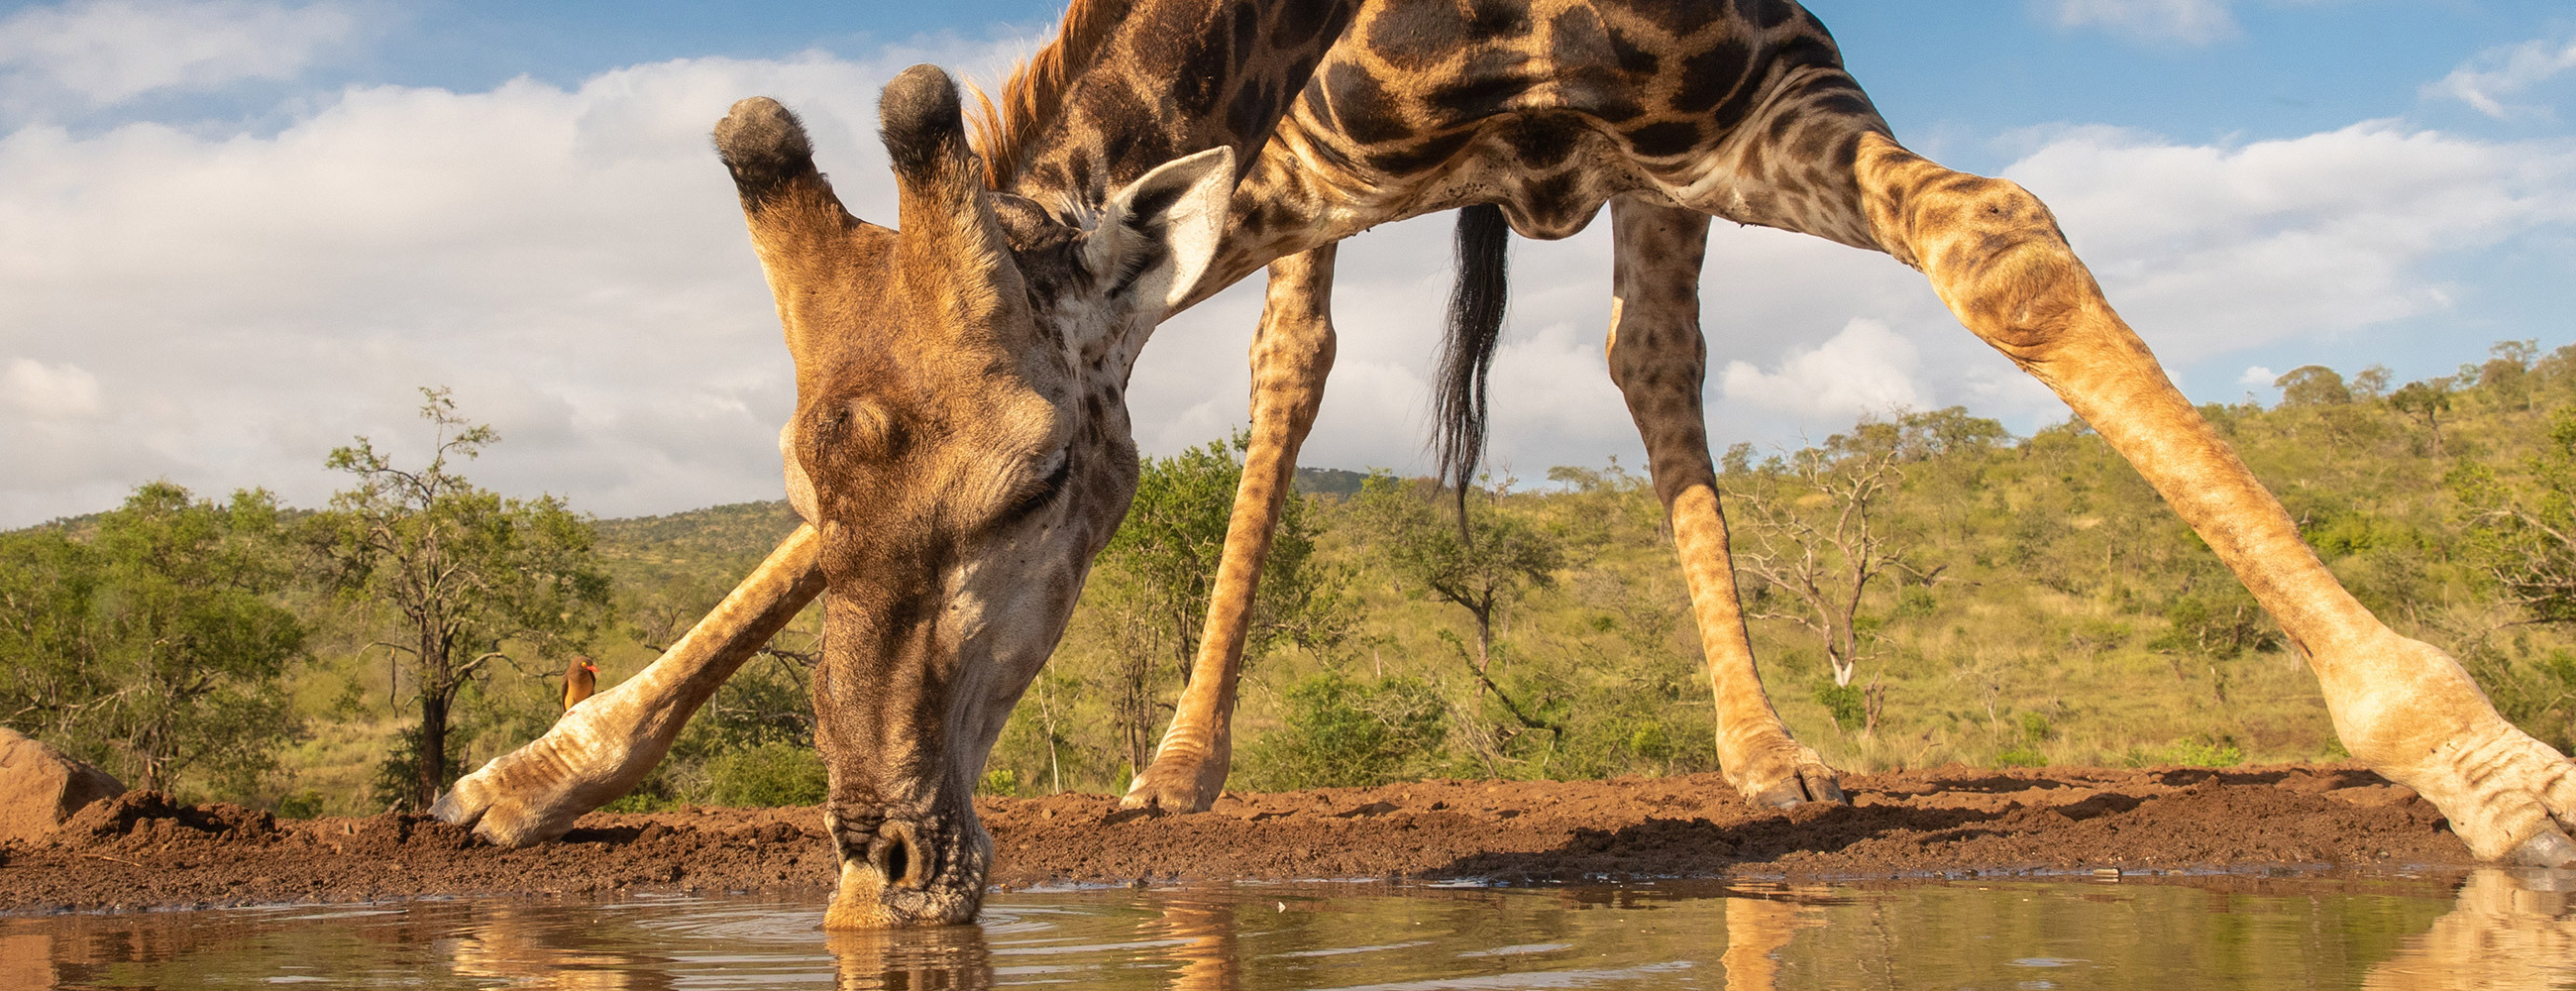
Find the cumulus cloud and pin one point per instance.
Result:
(2191, 22)
(227, 307)
(222, 308)
(2498, 74)
(49, 392)
(2211, 248)
(1868, 368)
(103, 52)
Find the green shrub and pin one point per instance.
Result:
(306, 804)
(2204, 752)
(1848, 704)
(766, 775)
(1342, 732)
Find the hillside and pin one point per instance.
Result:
(2035, 603)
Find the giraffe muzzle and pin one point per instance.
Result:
(912, 871)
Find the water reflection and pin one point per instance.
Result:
(2492, 929)
(2508, 929)
(950, 958)
(1758, 928)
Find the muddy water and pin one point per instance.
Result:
(2496, 929)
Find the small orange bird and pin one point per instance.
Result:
(579, 681)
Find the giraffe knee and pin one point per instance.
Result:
(1996, 256)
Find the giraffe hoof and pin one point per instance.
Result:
(1177, 784)
(2548, 848)
(1811, 783)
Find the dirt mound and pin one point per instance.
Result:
(142, 850)
(146, 817)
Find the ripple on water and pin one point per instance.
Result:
(2491, 929)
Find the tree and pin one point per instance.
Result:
(154, 646)
(1812, 536)
(1154, 579)
(468, 573)
(2506, 375)
(2522, 532)
(2313, 385)
(1484, 570)
(2426, 402)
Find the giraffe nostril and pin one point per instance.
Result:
(898, 863)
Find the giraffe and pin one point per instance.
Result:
(1540, 112)
(961, 448)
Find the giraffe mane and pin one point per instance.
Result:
(1033, 96)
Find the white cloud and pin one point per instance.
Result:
(2257, 377)
(1868, 368)
(572, 261)
(2194, 22)
(223, 308)
(2211, 249)
(104, 52)
(2489, 79)
(49, 392)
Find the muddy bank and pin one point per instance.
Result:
(140, 851)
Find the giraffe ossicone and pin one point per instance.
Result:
(961, 446)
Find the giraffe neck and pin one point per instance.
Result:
(1176, 77)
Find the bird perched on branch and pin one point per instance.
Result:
(580, 680)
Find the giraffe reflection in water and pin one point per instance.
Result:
(2509, 929)
(2490, 929)
(533, 946)
(947, 958)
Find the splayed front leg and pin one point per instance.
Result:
(607, 744)
(1995, 255)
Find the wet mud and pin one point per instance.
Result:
(142, 851)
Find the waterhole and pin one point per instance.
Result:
(2499, 929)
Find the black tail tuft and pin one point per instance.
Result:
(1467, 350)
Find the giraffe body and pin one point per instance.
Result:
(961, 447)
(1549, 109)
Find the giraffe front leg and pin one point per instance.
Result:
(1291, 354)
(1659, 361)
(1996, 257)
(604, 746)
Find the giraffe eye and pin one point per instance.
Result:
(1042, 488)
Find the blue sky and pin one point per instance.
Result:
(234, 234)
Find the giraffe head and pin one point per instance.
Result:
(961, 442)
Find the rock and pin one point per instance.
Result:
(40, 787)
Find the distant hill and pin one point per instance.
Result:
(721, 542)
(729, 540)
(1336, 482)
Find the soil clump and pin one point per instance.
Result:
(141, 850)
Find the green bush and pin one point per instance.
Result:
(2024, 752)
(306, 804)
(2205, 752)
(1343, 733)
(1848, 704)
(766, 775)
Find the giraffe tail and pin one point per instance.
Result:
(1476, 307)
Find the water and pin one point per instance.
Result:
(2492, 929)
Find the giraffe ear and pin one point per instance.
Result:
(1158, 236)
